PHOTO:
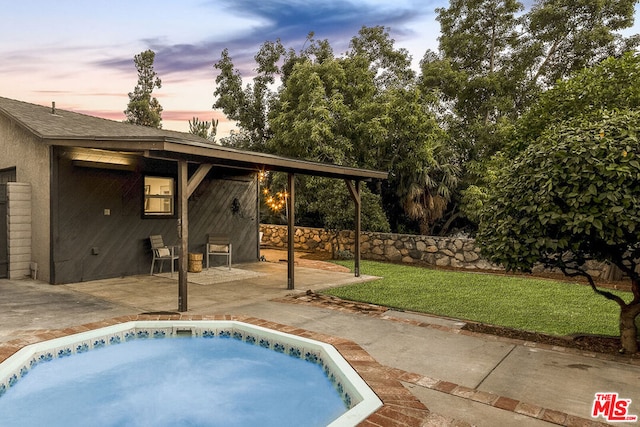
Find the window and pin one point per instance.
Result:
(159, 197)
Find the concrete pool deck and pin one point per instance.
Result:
(461, 377)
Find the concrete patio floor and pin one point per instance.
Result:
(464, 378)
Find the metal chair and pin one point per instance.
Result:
(162, 252)
(218, 245)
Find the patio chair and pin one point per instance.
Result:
(162, 252)
(218, 245)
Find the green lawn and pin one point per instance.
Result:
(525, 303)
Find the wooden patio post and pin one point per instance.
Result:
(290, 231)
(355, 194)
(183, 233)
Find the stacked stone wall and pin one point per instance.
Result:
(456, 252)
(391, 247)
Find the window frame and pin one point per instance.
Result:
(147, 197)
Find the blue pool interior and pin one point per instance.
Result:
(349, 391)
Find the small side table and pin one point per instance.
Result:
(195, 262)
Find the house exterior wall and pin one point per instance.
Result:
(226, 204)
(31, 158)
(90, 244)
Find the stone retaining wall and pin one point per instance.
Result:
(454, 252)
(406, 248)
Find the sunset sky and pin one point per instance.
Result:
(80, 53)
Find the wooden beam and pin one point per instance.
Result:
(183, 234)
(354, 189)
(197, 178)
(290, 231)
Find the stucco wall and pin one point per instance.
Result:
(30, 157)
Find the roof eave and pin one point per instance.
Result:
(174, 149)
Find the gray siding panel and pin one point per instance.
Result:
(212, 210)
(90, 245)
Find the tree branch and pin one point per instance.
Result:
(550, 53)
(447, 224)
(580, 273)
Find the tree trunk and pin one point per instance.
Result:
(628, 328)
(445, 227)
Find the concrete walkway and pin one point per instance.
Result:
(469, 379)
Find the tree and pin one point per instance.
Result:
(364, 110)
(594, 163)
(353, 111)
(335, 208)
(422, 177)
(563, 36)
(500, 61)
(313, 118)
(143, 109)
(308, 114)
(204, 129)
(248, 107)
(475, 71)
(573, 196)
(390, 66)
(613, 83)
(322, 202)
(475, 81)
(494, 62)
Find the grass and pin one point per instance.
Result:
(525, 303)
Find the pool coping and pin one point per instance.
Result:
(399, 406)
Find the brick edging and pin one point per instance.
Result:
(497, 401)
(486, 398)
(335, 303)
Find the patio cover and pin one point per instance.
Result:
(69, 129)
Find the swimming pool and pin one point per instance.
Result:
(357, 397)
